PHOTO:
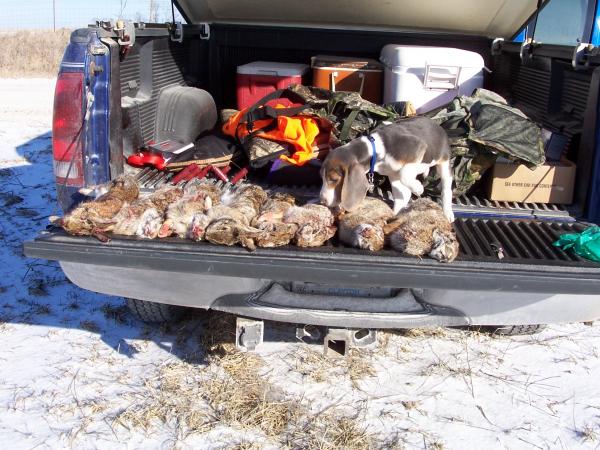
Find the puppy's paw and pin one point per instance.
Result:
(449, 214)
(398, 207)
(418, 190)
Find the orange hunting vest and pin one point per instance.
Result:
(299, 131)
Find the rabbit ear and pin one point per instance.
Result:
(354, 187)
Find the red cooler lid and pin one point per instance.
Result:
(276, 69)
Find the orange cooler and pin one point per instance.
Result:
(340, 73)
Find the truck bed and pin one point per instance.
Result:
(495, 254)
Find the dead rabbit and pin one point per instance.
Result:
(229, 222)
(275, 232)
(91, 217)
(423, 229)
(180, 215)
(363, 227)
(314, 224)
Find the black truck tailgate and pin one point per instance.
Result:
(496, 254)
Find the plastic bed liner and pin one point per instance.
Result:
(529, 262)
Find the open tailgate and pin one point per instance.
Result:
(496, 254)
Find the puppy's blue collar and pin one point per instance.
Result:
(373, 158)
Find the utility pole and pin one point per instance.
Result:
(54, 15)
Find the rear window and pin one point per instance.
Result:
(560, 22)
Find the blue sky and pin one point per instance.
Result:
(74, 13)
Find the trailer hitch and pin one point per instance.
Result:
(339, 341)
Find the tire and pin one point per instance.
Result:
(156, 313)
(514, 330)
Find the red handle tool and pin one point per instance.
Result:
(147, 158)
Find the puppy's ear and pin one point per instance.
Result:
(354, 187)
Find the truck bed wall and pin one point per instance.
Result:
(559, 98)
(548, 89)
(153, 64)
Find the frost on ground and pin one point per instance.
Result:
(77, 371)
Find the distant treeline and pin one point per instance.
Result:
(32, 53)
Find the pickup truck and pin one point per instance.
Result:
(507, 274)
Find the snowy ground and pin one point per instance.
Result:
(77, 371)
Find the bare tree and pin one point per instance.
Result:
(153, 13)
(122, 9)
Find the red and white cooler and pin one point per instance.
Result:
(259, 78)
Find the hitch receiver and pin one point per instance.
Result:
(338, 341)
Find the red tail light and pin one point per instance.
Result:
(67, 129)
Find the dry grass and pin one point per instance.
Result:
(218, 336)
(231, 391)
(172, 397)
(240, 395)
(250, 402)
(443, 368)
(117, 313)
(234, 391)
(90, 326)
(316, 367)
(194, 402)
(587, 434)
(32, 53)
(245, 446)
(5, 328)
(423, 332)
(410, 404)
(329, 431)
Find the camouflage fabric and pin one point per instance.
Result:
(347, 114)
(481, 128)
(261, 151)
(469, 163)
(351, 115)
(227, 114)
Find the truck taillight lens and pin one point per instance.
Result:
(67, 132)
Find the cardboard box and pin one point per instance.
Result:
(549, 183)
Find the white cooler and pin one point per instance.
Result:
(429, 76)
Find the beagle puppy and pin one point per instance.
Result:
(401, 151)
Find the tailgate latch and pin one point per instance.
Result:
(581, 55)
(126, 33)
(204, 31)
(175, 31)
(526, 51)
(497, 46)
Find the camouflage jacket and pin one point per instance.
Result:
(351, 115)
(481, 128)
(347, 114)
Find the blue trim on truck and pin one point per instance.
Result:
(593, 206)
(595, 39)
(96, 147)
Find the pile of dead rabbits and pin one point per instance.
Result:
(249, 217)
